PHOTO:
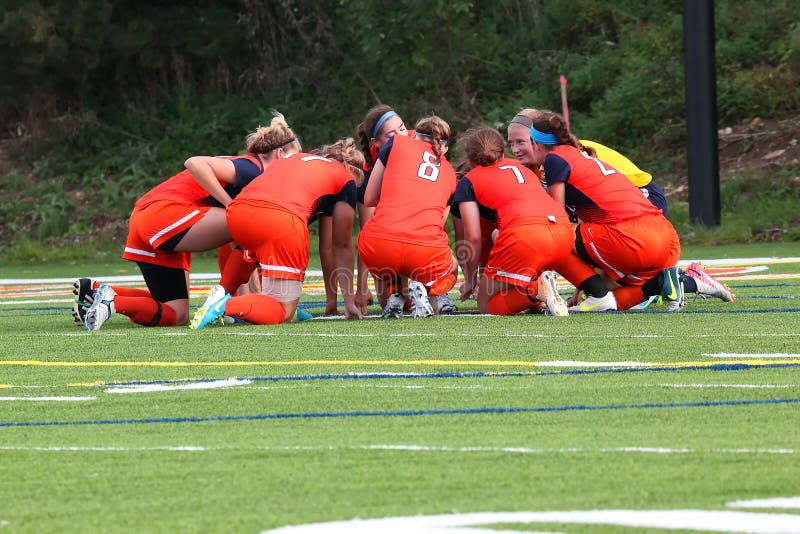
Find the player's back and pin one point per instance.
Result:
(513, 190)
(415, 191)
(597, 191)
(297, 183)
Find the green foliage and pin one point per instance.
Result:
(759, 207)
(109, 98)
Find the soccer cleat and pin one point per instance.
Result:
(643, 305)
(420, 303)
(548, 293)
(212, 309)
(707, 285)
(446, 305)
(83, 289)
(672, 289)
(596, 304)
(394, 306)
(303, 315)
(231, 320)
(102, 308)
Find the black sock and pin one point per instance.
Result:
(653, 286)
(689, 285)
(594, 287)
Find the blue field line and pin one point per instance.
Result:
(404, 413)
(480, 374)
(685, 311)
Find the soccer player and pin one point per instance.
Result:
(694, 279)
(410, 187)
(380, 124)
(270, 218)
(183, 214)
(534, 231)
(619, 231)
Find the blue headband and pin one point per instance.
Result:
(386, 116)
(543, 138)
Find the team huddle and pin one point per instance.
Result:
(559, 206)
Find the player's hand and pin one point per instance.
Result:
(576, 298)
(467, 289)
(352, 311)
(363, 298)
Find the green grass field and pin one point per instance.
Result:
(622, 422)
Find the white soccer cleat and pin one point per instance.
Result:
(596, 304)
(102, 308)
(420, 303)
(445, 304)
(394, 306)
(548, 293)
(707, 284)
(212, 309)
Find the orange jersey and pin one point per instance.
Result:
(184, 188)
(594, 190)
(510, 189)
(414, 195)
(302, 184)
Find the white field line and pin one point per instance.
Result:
(408, 448)
(741, 386)
(49, 399)
(214, 277)
(12, 301)
(778, 502)
(150, 388)
(499, 335)
(38, 301)
(754, 356)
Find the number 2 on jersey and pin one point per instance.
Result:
(429, 168)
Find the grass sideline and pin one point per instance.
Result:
(332, 420)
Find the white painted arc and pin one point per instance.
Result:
(701, 520)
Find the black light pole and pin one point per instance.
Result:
(701, 111)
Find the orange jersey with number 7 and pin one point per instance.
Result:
(414, 195)
(514, 191)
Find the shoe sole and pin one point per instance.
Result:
(205, 315)
(727, 294)
(81, 305)
(548, 293)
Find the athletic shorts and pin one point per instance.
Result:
(155, 224)
(523, 251)
(631, 251)
(278, 239)
(434, 267)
